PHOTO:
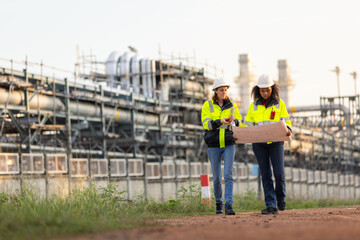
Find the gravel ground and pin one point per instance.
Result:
(327, 223)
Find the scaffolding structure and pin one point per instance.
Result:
(331, 132)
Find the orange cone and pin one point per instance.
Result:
(205, 190)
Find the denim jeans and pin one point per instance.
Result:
(273, 152)
(215, 154)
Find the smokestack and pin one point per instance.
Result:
(285, 82)
(245, 81)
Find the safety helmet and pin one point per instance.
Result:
(220, 83)
(265, 81)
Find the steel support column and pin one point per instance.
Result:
(68, 129)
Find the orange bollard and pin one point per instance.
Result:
(205, 190)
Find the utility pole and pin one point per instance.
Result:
(354, 75)
(337, 71)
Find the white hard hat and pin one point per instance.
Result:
(220, 83)
(265, 81)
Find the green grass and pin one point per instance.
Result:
(25, 216)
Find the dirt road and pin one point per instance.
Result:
(327, 224)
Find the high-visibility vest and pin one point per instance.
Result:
(211, 112)
(258, 114)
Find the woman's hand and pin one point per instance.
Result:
(225, 121)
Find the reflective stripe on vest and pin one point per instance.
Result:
(249, 123)
(222, 138)
(265, 122)
(208, 123)
(211, 106)
(206, 120)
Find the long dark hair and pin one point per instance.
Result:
(255, 92)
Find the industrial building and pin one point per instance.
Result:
(135, 121)
(327, 136)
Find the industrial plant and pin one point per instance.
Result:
(135, 122)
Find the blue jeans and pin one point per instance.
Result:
(228, 154)
(273, 152)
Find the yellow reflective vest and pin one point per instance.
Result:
(258, 114)
(217, 134)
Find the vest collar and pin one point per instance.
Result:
(227, 104)
(261, 101)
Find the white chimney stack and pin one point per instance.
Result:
(245, 82)
(285, 82)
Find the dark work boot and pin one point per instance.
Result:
(281, 206)
(269, 210)
(229, 210)
(219, 208)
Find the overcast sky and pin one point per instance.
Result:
(314, 36)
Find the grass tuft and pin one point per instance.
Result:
(23, 215)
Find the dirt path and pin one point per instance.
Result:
(328, 224)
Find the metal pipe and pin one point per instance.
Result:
(47, 103)
(58, 149)
(340, 107)
(318, 108)
(175, 84)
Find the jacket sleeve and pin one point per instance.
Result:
(207, 122)
(237, 116)
(284, 115)
(249, 119)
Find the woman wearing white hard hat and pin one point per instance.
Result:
(218, 115)
(268, 108)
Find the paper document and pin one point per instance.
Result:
(274, 132)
